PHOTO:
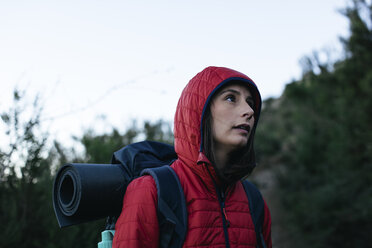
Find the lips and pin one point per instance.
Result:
(245, 127)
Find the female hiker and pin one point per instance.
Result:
(214, 126)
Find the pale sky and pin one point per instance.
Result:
(131, 59)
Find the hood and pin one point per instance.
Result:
(191, 107)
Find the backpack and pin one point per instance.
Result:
(153, 158)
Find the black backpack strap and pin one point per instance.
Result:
(172, 212)
(256, 206)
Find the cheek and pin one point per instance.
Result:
(220, 129)
(221, 120)
(217, 129)
(222, 114)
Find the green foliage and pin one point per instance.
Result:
(25, 177)
(158, 131)
(99, 148)
(322, 123)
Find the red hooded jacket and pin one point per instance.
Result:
(137, 225)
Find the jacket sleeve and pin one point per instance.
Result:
(137, 225)
(266, 229)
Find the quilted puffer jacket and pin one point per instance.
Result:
(137, 225)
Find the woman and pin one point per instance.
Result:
(214, 127)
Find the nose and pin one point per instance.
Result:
(247, 111)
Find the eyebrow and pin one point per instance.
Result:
(230, 90)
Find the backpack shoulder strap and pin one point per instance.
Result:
(256, 206)
(172, 212)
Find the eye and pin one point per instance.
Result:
(230, 98)
(250, 102)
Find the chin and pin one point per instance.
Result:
(239, 144)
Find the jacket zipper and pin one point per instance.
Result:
(221, 199)
(225, 221)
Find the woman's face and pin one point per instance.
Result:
(232, 117)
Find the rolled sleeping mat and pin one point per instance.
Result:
(87, 192)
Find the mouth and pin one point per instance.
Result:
(245, 127)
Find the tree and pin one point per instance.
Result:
(25, 177)
(325, 148)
